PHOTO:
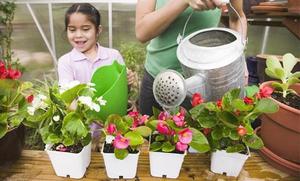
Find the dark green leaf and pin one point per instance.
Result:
(155, 146)
(121, 153)
(199, 141)
(253, 141)
(168, 147)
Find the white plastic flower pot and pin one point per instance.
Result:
(230, 164)
(116, 168)
(165, 164)
(69, 164)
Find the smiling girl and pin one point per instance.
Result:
(83, 27)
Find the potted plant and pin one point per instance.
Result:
(281, 131)
(13, 92)
(121, 149)
(227, 125)
(169, 142)
(63, 118)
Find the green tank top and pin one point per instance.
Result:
(161, 51)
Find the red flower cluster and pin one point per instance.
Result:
(8, 73)
(197, 99)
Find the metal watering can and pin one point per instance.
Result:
(213, 62)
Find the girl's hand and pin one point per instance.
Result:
(131, 77)
(203, 4)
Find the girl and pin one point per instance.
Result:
(83, 26)
(82, 23)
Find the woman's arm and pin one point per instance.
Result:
(150, 22)
(234, 22)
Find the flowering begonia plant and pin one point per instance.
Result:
(63, 115)
(126, 134)
(13, 93)
(171, 133)
(227, 122)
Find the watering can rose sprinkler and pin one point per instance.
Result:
(213, 62)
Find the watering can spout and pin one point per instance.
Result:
(111, 83)
(196, 83)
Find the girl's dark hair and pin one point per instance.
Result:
(85, 8)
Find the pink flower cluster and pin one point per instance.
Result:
(8, 73)
(184, 135)
(121, 142)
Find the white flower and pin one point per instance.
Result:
(31, 110)
(101, 101)
(109, 139)
(56, 118)
(38, 102)
(93, 89)
(96, 107)
(68, 86)
(86, 100)
(91, 84)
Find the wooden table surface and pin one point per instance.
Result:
(35, 166)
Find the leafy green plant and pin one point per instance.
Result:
(134, 55)
(13, 103)
(171, 133)
(126, 134)
(283, 73)
(7, 12)
(227, 122)
(63, 115)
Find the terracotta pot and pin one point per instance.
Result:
(280, 131)
(278, 162)
(294, 6)
(11, 145)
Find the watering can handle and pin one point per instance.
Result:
(181, 36)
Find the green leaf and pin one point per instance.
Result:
(134, 138)
(144, 131)
(295, 75)
(199, 141)
(235, 148)
(253, 141)
(121, 154)
(217, 133)
(266, 105)
(289, 61)
(69, 95)
(168, 147)
(3, 124)
(241, 106)
(152, 124)
(16, 120)
(226, 131)
(251, 90)
(273, 63)
(280, 74)
(206, 118)
(230, 96)
(228, 119)
(159, 137)
(234, 135)
(155, 146)
(73, 127)
(277, 86)
(271, 74)
(292, 80)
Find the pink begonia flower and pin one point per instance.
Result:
(111, 128)
(185, 136)
(133, 114)
(265, 92)
(163, 116)
(179, 120)
(181, 147)
(121, 142)
(143, 119)
(163, 128)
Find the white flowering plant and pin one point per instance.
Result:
(63, 115)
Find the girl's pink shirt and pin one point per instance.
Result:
(76, 66)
